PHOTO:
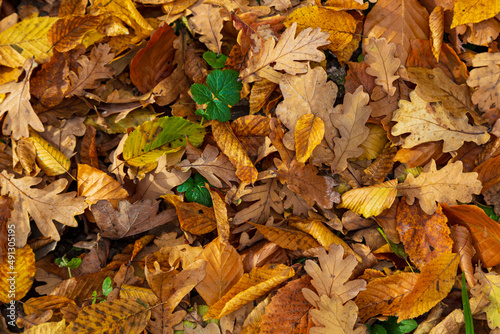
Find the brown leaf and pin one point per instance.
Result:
(489, 172)
(69, 31)
(463, 246)
(207, 21)
(96, 185)
(287, 238)
(436, 24)
(51, 82)
(251, 131)
(88, 151)
(383, 64)
(260, 94)
(194, 218)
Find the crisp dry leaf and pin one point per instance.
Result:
(20, 113)
(489, 285)
(489, 172)
(427, 123)
(463, 245)
(339, 24)
(383, 64)
(436, 25)
(19, 264)
(288, 53)
(126, 11)
(224, 268)
(24, 40)
(137, 292)
(434, 283)
(50, 160)
(424, 236)
(382, 166)
(251, 131)
(433, 85)
(309, 132)
(370, 201)
(260, 94)
(207, 21)
(447, 185)
(484, 76)
(80, 288)
(160, 183)
(25, 154)
(220, 210)
(51, 82)
(352, 129)
(331, 276)
(287, 238)
(69, 31)
(251, 286)
(43, 205)
(465, 11)
(194, 218)
(484, 230)
(130, 219)
(280, 5)
(230, 146)
(96, 185)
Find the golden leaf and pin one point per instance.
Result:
(194, 218)
(463, 246)
(433, 284)
(136, 292)
(309, 132)
(251, 131)
(250, 287)
(287, 238)
(96, 185)
(370, 201)
(375, 143)
(432, 123)
(50, 160)
(80, 288)
(207, 22)
(436, 25)
(44, 303)
(465, 11)
(383, 64)
(220, 210)
(17, 272)
(339, 24)
(49, 327)
(335, 317)
(68, 32)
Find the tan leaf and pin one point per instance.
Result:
(50, 160)
(309, 132)
(96, 185)
(251, 131)
(207, 22)
(447, 185)
(126, 11)
(463, 246)
(351, 125)
(224, 268)
(69, 31)
(490, 287)
(160, 183)
(383, 64)
(436, 25)
(49, 327)
(194, 218)
(484, 76)
(80, 288)
(20, 113)
(287, 238)
(331, 276)
(434, 283)
(370, 201)
(280, 5)
(220, 211)
(42, 205)
(427, 123)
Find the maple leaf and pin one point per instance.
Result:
(383, 64)
(20, 112)
(43, 205)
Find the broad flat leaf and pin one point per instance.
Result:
(383, 64)
(331, 276)
(230, 146)
(489, 172)
(194, 218)
(484, 230)
(339, 24)
(130, 219)
(384, 295)
(287, 238)
(370, 201)
(484, 76)
(22, 263)
(80, 288)
(160, 183)
(126, 11)
(398, 22)
(44, 303)
(432, 123)
(309, 132)
(288, 53)
(220, 210)
(207, 22)
(195, 191)
(447, 185)
(136, 292)
(250, 287)
(96, 185)
(20, 114)
(114, 316)
(224, 268)
(334, 316)
(151, 140)
(50, 160)
(434, 283)
(26, 39)
(261, 93)
(465, 11)
(434, 86)
(51, 82)
(436, 24)
(463, 246)
(214, 60)
(280, 5)
(42, 205)
(69, 31)
(252, 131)
(351, 125)
(424, 236)
(304, 180)
(288, 309)
(49, 327)
(91, 71)
(490, 287)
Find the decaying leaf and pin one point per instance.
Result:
(383, 64)
(194, 218)
(96, 185)
(16, 273)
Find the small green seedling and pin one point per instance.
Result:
(71, 264)
(391, 326)
(214, 60)
(107, 287)
(195, 190)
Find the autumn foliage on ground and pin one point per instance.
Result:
(244, 166)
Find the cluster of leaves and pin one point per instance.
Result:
(194, 181)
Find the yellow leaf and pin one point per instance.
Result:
(370, 201)
(44, 303)
(433, 284)
(96, 185)
(48, 328)
(335, 317)
(383, 64)
(136, 292)
(26, 39)
(17, 270)
(50, 160)
(436, 24)
(207, 22)
(287, 238)
(489, 286)
(374, 144)
(194, 218)
(250, 287)
(68, 32)
(309, 132)
(466, 11)
(120, 315)
(339, 24)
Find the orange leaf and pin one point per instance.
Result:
(424, 236)
(16, 273)
(194, 218)
(287, 238)
(251, 131)
(231, 146)
(433, 284)
(96, 185)
(436, 24)
(489, 172)
(463, 246)
(69, 31)
(309, 132)
(51, 82)
(485, 231)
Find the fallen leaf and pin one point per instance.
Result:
(489, 286)
(96, 185)
(287, 238)
(16, 273)
(194, 218)
(50, 160)
(207, 21)
(484, 76)
(466, 12)
(370, 201)
(463, 246)
(383, 64)
(309, 132)
(69, 31)
(436, 25)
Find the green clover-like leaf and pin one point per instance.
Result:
(195, 190)
(213, 60)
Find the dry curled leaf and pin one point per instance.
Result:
(383, 64)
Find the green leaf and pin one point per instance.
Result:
(218, 110)
(107, 286)
(201, 93)
(469, 325)
(213, 60)
(195, 190)
(392, 326)
(378, 329)
(74, 263)
(489, 210)
(152, 139)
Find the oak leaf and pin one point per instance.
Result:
(309, 132)
(207, 21)
(490, 287)
(370, 201)
(43, 205)
(447, 185)
(383, 64)
(484, 76)
(427, 123)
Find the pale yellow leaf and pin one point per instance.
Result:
(207, 22)
(334, 316)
